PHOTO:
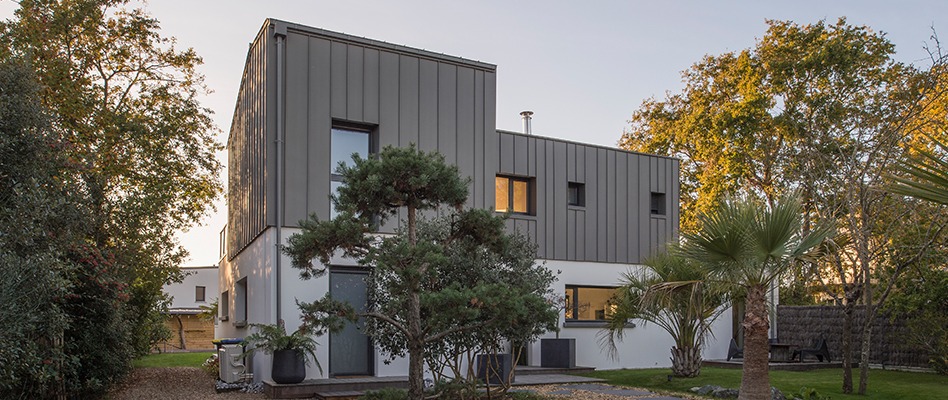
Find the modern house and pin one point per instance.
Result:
(188, 331)
(309, 98)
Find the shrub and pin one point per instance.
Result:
(212, 366)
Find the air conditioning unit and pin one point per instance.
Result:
(232, 364)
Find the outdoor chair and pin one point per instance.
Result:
(733, 351)
(820, 350)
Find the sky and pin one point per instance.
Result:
(582, 67)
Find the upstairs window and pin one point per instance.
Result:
(344, 143)
(657, 203)
(576, 195)
(199, 293)
(512, 194)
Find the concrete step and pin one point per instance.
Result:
(341, 395)
(532, 370)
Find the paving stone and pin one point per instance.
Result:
(589, 386)
(623, 392)
(562, 392)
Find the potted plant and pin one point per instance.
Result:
(289, 351)
(558, 353)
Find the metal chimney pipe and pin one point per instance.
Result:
(527, 126)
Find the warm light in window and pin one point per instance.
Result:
(502, 184)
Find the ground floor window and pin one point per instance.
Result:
(589, 303)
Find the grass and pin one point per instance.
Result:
(887, 385)
(165, 360)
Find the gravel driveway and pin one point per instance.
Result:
(179, 383)
(189, 383)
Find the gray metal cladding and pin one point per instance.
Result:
(403, 96)
(615, 225)
(441, 103)
(248, 147)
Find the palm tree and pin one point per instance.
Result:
(749, 246)
(927, 175)
(672, 293)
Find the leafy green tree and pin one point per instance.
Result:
(822, 109)
(428, 283)
(142, 147)
(749, 245)
(674, 293)
(41, 219)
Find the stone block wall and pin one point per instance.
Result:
(802, 325)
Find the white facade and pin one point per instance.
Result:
(644, 345)
(185, 295)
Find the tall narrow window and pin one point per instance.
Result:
(345, 142)
(224, 305)
(512, 194)
(576, 195)
(199, 293)
(658, 203)
(240, 303)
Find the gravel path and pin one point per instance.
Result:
(179, 383)
(188, 383)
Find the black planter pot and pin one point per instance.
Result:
(289, 366)
(495, 368)
(558, 353)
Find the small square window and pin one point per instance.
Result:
(513, 194)
(199, 293)
(658, 203)
(576, 194)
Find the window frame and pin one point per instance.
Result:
(580, 194)
(224, 306)
(200, 294)
(531, 196)
(571, 293)
(657, 204)
(335, 178)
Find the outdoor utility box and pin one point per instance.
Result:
(231, 362)
(558, 353)
(495, 368)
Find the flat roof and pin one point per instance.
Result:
(598, 146)
(363, 41)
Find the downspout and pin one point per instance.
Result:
(280, 35)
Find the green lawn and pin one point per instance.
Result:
(172, 360)
(883, 385)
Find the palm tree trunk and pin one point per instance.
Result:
(755, 381)
(686, 362)
(847, 346)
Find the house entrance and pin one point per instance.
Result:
(350, 350)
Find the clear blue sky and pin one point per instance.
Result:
(582, 67)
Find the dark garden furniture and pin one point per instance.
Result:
(733, 351)
(819, 350)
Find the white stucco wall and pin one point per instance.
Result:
(644, 346)
(183, 293)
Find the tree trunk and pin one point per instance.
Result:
(686, 362)
(755, 381)
(848, 347)
(181, 340)
(416, 350)
(864, 354)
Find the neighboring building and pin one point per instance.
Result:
(309, 98)
(188, 330)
